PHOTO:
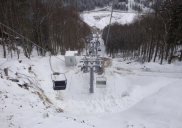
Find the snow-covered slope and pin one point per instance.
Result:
(100, 19)
(137, 95)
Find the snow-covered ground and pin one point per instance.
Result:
(137, 95)
(100, 19)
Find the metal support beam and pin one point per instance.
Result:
(91, 80)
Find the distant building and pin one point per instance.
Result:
(70, 59)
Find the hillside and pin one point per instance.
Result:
(100, 19)
(137, 95)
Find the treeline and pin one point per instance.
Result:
(87, 5)
(156, 36)
(137, 5)
(51, 25)
(145, 3)
(120, 6)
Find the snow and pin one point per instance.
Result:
(100, 19)
(71, 53)
(60, 77)
(136, 95)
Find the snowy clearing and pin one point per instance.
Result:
(100, 19)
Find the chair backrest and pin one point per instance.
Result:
(101, 82)
(59, 85)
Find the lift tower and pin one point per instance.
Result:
(91, 61)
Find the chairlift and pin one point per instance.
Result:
(101, 82)
(98, 43)
(59, 81)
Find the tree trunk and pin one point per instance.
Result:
(157, 48)
(180, 56)
(4, 48)
(162, 55)
(150, 50)
(171, 55)
(167, 51)
(173, 46)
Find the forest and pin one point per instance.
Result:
(154, 37)
(50, 25)
(87, 5)
(56, 27)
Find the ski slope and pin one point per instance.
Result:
(100, 19)
(137, 95)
